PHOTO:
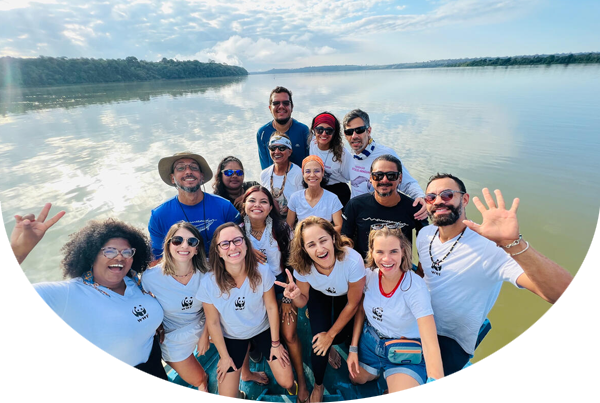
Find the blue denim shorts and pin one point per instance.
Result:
(371, 356)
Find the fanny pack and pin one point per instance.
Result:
(404, 351)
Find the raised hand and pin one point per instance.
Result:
(291, 290)
(28, 231)
(499, 224)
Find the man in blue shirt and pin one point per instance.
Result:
(187, 172)
(281, 107)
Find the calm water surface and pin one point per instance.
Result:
(531, 132)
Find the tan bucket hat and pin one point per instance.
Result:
(165, 166)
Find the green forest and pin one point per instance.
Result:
(50, 71)
(531, 60)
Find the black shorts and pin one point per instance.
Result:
(237, 348)
(279, 289)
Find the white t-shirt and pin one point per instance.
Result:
(397, 315)
(464, 291)
(339, 171)
(122, 325)
(327, 205)
(293, 183)
(350, 270)
(360, 172)
(243, 313)
(268, 245)
(179, 302)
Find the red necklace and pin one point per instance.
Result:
(389, 294)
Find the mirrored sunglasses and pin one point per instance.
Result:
(111, 253)
(178, 240)
(445, 195)
(391, 225)
(231, 172)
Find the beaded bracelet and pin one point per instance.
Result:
(286, 300)
(518, 253)
(353, 349)
(515, 242)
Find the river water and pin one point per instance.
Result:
(532, 132)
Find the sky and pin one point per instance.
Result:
(265, 34)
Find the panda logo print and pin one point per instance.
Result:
(378, 314)
(140, 313)
(187, 303)
(240, 303)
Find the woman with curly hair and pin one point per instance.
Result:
(330, 277)
(271, 237)
(326, 143)
(102, 299)
(174, 282)
(229, 180)
(240, 306)
(394, 331)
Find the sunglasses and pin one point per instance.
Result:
(111, 253)
(231, 172)
(178, 240)
(280, 148)
(392, 225)
(181, 167)
(320, 129)
(358, 130)
(284, 103)
(237, 241)
(392, 175)
(445, 195)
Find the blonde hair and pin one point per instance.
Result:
(405, 247)
(198, 260)
(299, 258)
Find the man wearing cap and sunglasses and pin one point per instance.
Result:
(187, 172)
(281, 106)
(357, 129)
(385, 207)
(465, 264)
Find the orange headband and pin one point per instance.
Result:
(313, 158)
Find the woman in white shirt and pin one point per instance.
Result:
(394, 331)
(330, 277)
(240, 307)
(175, 282)
(314, 200)
(327, 144)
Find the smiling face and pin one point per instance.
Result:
(257, 206)
(385, 187)
(446, 213)
(184, 252)
(280, 157)
(232, 183)
(110, 272)
(318, 244)
(313, 174)
(235, 254)
(323, 139)
(358, 142)
(189, 178)
(281, 113)
(387, 254)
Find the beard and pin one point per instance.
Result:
(385, 194)
(188, 189)
(283, 121)
(446, 219)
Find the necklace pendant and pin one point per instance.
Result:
(436, 266)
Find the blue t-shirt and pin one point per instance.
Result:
(206, 216)
(298, 134)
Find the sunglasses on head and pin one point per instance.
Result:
(111, 253)
(284, 103)
(237, 241)
(320, 129)
(230, 172)
(178, 240)
(445, 195)
(280, 148)
(181, 167)
(358, 130)
(391, 225)
(392, 175)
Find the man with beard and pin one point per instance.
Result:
(187, 172)
(464, 264)
(281, 107)
(385, 207)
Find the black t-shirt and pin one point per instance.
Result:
(363, 211)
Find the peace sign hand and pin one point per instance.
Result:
(499, 224)
(290, 290)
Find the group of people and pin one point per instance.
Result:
(324, 228)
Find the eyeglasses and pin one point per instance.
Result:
(445, 195)
(392, 175)
(178, 240)
(320, 129)
(231, 172)
(280, 148)
(391, 225)
(284, 103)
(182, 167)
(237, 241)
(111, 253)
(358, 130)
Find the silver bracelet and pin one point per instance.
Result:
(515, 242)
(353, 349)
(286, 300)
(518, 253)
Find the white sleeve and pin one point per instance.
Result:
(409, 185)
(292, 202)
(346, 164)
(268, 279)
(357, 270)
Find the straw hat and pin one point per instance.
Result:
(165, 166)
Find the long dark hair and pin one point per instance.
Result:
(218, 185)
(281, 230)
(336, 145)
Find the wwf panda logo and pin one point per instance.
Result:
(331, 290)
(378, 313)
(240, 303)
(139, 311)
(187, 303)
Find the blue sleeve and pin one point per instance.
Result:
(55, 294)
(232, 215)
(156, 235)
(263, 152)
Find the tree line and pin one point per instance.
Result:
(531, 60)
(46, 71)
